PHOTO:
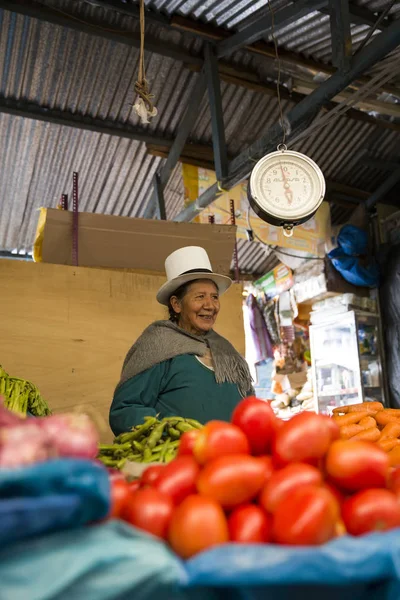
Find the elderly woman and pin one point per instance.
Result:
(181, 366)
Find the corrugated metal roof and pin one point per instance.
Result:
(64, 69)
(309, 35)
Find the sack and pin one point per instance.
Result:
(50, 496)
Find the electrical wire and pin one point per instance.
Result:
(278, 82)
(275, 248)
(371, 32)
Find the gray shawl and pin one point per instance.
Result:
(164, 340)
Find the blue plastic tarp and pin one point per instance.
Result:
(365, 568)
(51, 496)
(113, 561)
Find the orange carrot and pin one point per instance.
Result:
(394, 456)
(388, 443)
(371, 435)
(349, 419)
(367, 422)
(369, 407)
(383, 417)
(348, 431)
(391, 430)
(393, 411)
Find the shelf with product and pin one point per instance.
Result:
(347, 359)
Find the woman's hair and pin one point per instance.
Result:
(179, 293)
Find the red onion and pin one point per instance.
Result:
(22, 445)
(72, 435)
(8, 418)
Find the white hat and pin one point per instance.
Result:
(188, 264)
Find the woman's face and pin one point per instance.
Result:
(199, 307)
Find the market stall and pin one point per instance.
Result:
(225, 521)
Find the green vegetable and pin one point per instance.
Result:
(152, 441)
(22, 396)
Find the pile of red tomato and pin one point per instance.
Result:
(262, 480)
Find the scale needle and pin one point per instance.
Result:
(286, 185)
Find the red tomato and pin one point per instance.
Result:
(151, 474)
(332, 426)
(256, 419)
(285, 481)
(305, 436)
(197, 524)
(218, 438)
(178, 478)
(232, 480)
(355, 464)
(269, 467)
(307, 517)
(339, 495)
(394, 481)
(371, 510)
(187, 441)
(249, 524)
(134, 485)
(150, 510)
(120, 493)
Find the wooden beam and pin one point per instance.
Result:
(339, 14)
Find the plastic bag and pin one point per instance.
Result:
(353, 242)
(348, 568)
(50, 496)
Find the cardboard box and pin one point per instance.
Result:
(121, 242)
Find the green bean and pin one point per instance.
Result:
(194, 423)
(108, 462)
(184, 427)
(138, 432)
(155, 436)
(170, 455)
(147, 454)
(164, 450)
(121, 463)
(138, 446)
(174, 433)
(169, 419)
(134, 457)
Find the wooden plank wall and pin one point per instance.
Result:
(68, 329)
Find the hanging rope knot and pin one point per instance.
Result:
(144, 106)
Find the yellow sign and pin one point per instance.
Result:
(307, 237)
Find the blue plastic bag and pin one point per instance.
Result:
(353, 242)
(50, 496)
(348, 568)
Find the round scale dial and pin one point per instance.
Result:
(287, 185)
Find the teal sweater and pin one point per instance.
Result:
(182, 386)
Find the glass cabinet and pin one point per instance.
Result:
(346, 360)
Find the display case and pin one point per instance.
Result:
(347, 360)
